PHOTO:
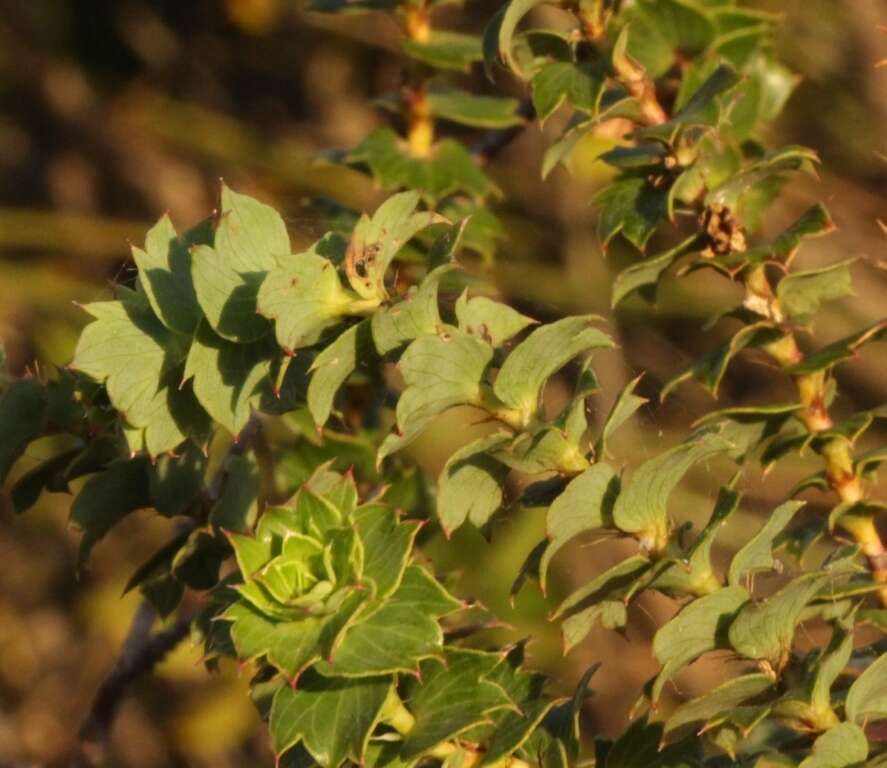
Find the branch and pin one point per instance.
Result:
(141, 651)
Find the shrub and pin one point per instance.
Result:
(316, 575)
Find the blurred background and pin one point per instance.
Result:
(114, 111)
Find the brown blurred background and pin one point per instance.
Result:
(114, 111)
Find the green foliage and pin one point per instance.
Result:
(309, 551)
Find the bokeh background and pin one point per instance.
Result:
(114, 111)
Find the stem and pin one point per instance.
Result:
(836, 452)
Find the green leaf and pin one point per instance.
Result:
(698, 628)
(633, 207)
(129, 350)
(47, 475)
(623, 409)
(585, 504)
(840, 350)
(612, 584)
(332, 367)
(843, 746)
(830, 665)
(332, 717)
(547, 449)
(764, 630)
(612, 614)
(250, 238)
(580, 85)
(304, 295)
(710, 368)
(445, 50)
(867, 697)
(511, 729)
(802, 293)
(642, 507)
(660, 31)
(106, 499)
(416, 315)
(230, 380)
(648, 271)
(398, 634)
(176, 482)
(447, 170)
(387, 543)
(228, 297)
(641, 746)
(453, 696)
(814, 222)
(440, 372)
(377, 239)
(724, 698)
(165, 272)
(545, 351)
(465, 108)
(513, 13)
(489, 320)
(469, 487)
(757, 553)
(773, 164)
(23, 410)
(237, 507)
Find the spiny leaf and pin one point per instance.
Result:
(814, 222)
(398, 634)
(710, 368)
(165, 272)
(377, 239)
(230, 380)
(623, 409)
(840, 350)
(489, 320)
(580, 85)
(698, 628)
(332, 717)
(304, 295)
(867, 697)
(643, 504)
(724, 698)
(454, 695)
(440, 372)
(843, 746)
(131, 352)
(332, 367)
(585, 504)
(765, 630)
(633, 207)
(514, 12)
(649, 271)
(802, 293)
(613, 583)
(662, 30)
(545, 351)
(469, 487)
(757, 553)
(414, 316)
(387, 543)
(237, 507)
(23, 416)
(106, 499)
